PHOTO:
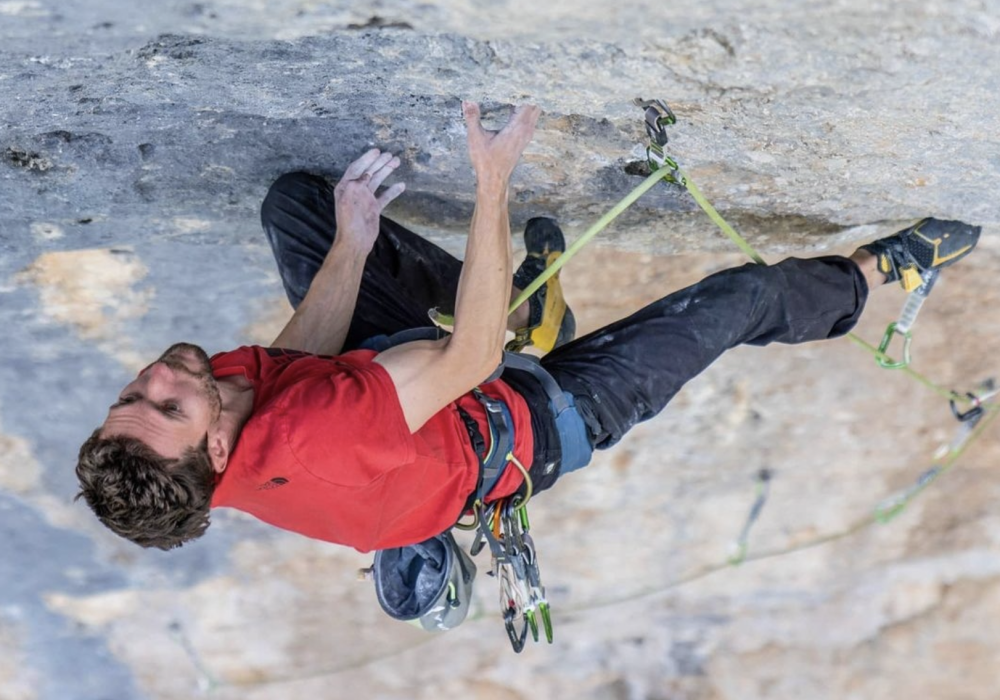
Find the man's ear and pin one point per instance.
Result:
(218, 451)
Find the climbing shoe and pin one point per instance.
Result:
(550, 320)
(929, 245)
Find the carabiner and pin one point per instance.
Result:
(529, 615)
(973, 413)
(658, 116)
(543, 607)
(883, 359)
(516, 640)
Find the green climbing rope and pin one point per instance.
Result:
(601, 224)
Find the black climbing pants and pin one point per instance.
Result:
(621, 374)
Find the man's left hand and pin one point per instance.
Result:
(357, 206)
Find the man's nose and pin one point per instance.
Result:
(159, 378)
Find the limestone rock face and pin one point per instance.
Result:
(136, 143)
(793, 136)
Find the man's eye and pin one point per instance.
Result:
(123, 400)
(172, 407)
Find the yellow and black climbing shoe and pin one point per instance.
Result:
(550, 320)
(929, 245)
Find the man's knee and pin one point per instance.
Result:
(299, 221)
(293, 189)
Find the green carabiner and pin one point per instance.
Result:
(883, 359)
(543, 607)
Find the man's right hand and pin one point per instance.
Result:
(428, 375)
(356, 205)
(495, 153)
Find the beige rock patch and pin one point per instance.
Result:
(19, 471)
(97, 610)
(93, 291)
(161, 661)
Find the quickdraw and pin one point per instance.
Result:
(903, 327)
(989, 391)
(658, 117)
(504, 526)
(743, 541)
(946, 455)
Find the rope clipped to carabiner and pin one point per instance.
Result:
(658, 117)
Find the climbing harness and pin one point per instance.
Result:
(501, 446)
(503, 525)
(430, 583)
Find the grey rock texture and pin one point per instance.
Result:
(136, 142)
(793, 134)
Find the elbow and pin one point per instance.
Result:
(482, 368)
(476, 364)
(490, 365)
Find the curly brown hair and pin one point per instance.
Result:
(143, 497)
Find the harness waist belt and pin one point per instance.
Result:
(574, 442)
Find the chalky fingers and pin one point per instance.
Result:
(381, 169)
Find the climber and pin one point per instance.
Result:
(355, 427)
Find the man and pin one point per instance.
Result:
(339, 434)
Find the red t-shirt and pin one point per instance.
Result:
(326, 451)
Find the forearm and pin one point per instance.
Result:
(321, 322)
(430, 374)
(484, 285)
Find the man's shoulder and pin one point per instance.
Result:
(293, 375)
(254, 359)
(231, 356)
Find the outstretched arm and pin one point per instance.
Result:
(321, 322)
(428, 375)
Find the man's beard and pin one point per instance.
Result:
(203, 373)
